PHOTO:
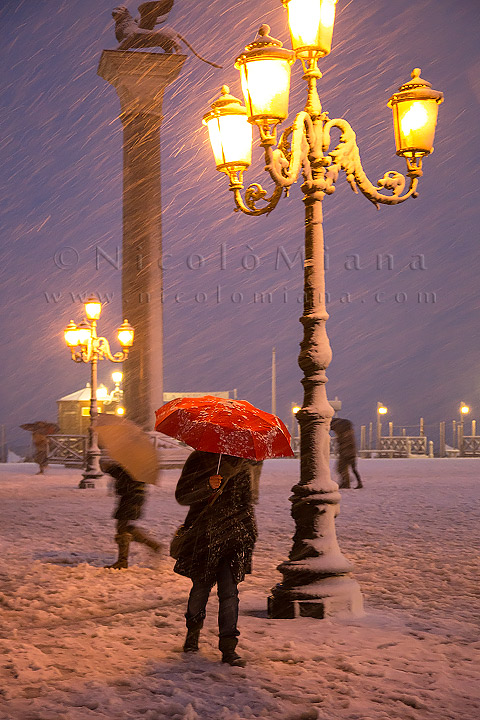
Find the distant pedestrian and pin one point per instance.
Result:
(218, 489)
(347, 451)
(131, 494)
(40, 430)
(41, 451)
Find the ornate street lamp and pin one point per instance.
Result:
(87, 347)
(316, 578)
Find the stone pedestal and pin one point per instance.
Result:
(140, 79)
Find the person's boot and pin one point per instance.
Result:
(227, 647)
(194, 625)
(140, 536)
(123, 542)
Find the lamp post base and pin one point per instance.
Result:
(326, 598)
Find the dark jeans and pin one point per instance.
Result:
(227, 600)
(343, 466)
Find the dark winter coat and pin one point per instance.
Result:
(346, 444)
(131, 495)
(227, 528)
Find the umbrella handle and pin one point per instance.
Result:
(219, 461)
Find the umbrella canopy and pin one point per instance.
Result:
(129, 446)
(41, 426)
(233, 427)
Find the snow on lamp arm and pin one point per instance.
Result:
(316, 578)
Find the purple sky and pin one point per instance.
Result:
(61, 175)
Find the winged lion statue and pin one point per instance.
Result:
(141, 32)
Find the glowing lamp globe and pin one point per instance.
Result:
(102, 393)
(84, 333)
(71, 334)
(311, 26)
(229, 132)
(415, 110)
(125, 334)
(265, 76)
(93, 308)
(117, 377)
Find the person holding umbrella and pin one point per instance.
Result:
(40, 430)
(215, 546)
(131, 498)
(218, 490)
(132, 461)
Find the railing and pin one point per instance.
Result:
(402, 446)
(67, 450)
(470, 446)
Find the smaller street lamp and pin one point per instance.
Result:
(464, 410)
(381, 410)
(87, 347)
(295, 410)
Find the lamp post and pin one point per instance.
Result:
(87, 347)
(315, 577)
(381, 410)
(464, 410)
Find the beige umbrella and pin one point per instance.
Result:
(129, 446)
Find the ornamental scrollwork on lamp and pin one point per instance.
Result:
(101, 348)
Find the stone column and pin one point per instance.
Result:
(140, 79)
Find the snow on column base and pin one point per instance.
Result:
(326, 598)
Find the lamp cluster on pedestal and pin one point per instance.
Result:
(316, 579)
(87, 347)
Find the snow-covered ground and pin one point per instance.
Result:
(80, 642)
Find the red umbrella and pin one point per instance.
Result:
(218, 425)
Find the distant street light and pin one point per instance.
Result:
(87, 347)
(464, 410)
(295, 409)
(381, 410)
(315, 578)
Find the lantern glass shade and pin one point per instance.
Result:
(414, 123)
(93, 309)
(311, 26)
(266, 87)
(125, 334)
(229, 132)
(231, 141)
(415, 110)
(102, 393)
(71, 334)
(84, 333)
(117, 377)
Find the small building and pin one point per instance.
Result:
(74, 409)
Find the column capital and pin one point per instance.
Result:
(140, 78)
